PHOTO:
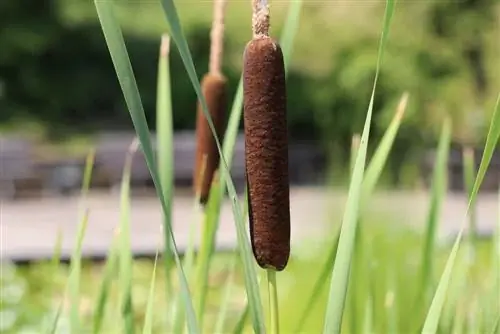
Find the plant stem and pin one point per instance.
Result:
(273, 301)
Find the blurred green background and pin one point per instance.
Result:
(56, 75)
(57, 80)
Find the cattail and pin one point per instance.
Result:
(213, 87)
(266, 144)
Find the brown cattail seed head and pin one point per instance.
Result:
(207, 156)
(266, 152)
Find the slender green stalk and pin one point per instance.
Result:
(207, 248)
(204, 257)
(469, 175)
(104, 290)
(148, 318)
(496, 326)
(55, 265)
(368, 318)
(273, 302)
(240, 324)
(178, 314)
(438, 191)
(56, 257)
(76, 257)
(354, 151)
(358, 291)
(125, 257)
(165, 138)
(52, 328)
(379, 159)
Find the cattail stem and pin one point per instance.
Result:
(217, 37)
(260, 18)
(274, 327)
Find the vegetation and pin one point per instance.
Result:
(381, 278)
(445, 54)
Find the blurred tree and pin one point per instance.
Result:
(26, 32)
(55, 68)
(464, 25)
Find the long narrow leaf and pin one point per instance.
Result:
(125, 250)
(468, 177)
(379, 159)
(116, 45)
(104, 290)
(341, 268)
(437, 196)
(76, 257)
(148, 318)
(164, 143)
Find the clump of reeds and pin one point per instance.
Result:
(213, 86)
(266, 144)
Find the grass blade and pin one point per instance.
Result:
(354, 151)
(379, 159)
(341, 268)
(76, 256)
(368, 318)
(496, 265)
(56, 257)
(74, 276)
(434, 313)
(125, 251)
(54, 323)
(240, 324)
(221, 317)
(188, 260)
(290, 30)
(148, 318)
(109, 272)
(438, 192)
(496, 326)
(116, 45)
(469, 175)
(165, 149)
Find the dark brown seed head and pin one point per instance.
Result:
(207, 156)
(266, 152)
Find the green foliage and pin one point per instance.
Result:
(445, 70)
(384, 254)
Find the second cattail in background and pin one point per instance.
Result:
(266, 144)
(213, 87)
